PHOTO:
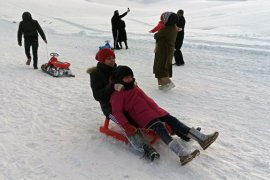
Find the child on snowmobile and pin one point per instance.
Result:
(129, 98)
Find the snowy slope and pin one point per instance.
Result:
(50, 126)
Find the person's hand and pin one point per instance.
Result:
(118, 87)
(20, 44)
(128, 10)
(129, 129)
(45, 41)
(179, 29)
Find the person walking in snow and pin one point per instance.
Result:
(102, 88)
(115, 20)
(178, 56)
(30, 28)
(165, 42)
(147, 114)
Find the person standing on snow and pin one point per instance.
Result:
(148, 115)
(115, 20)
(122, 34)
(165, 42)
(102, 88)
(30, 28)
(178, 56)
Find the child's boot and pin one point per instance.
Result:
(181, 152)
(204, 140)
(150, 152)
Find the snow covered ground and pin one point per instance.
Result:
(49, 127)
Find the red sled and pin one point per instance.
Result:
(117, 135)
(57, 68)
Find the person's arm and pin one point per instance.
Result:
(124, 14)
(119, 116)
(158, 27)
(159, 34)
(101, 91)
(19, 34)
(41, 32)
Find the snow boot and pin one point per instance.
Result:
(150, 152)
(166, 87)
(185, 138)
(204, 140)
(182, 153)
(28, 62)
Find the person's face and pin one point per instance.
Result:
(110, 61)
(128, 79)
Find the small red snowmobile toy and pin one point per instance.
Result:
(57, 68)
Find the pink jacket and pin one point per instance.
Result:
(140, 107)
(158, 27)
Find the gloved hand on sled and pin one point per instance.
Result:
(129, 129)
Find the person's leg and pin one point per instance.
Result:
(126, 44)
(35, 53)
(120, 44)
(27, 45)
(173, 144)
(138, 143)
(179, 128)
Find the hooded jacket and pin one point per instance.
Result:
(140, 107)
(29, 28)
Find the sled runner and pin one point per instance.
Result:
(117, 135)
(57, 68)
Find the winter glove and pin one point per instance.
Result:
(20, 44)
(118, 87)
(45, 41)
(129, 129)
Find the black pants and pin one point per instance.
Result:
(27, 45)
(115, 33)
(120, 44)
(178, 56)
(178, 128)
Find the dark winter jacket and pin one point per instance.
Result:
(116, 20)
(101, 86)
(180, 35)
(29, 28)
(122, 31)
(164, 51)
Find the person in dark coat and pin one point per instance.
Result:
(102, 89)
(178, 56)
(165, 42)
(30, 28)
(115, 20)
(122, 34)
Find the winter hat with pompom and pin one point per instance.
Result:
(103, 54)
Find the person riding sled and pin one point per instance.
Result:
(102, 88)
(148, 115)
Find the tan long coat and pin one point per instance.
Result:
(164, 51)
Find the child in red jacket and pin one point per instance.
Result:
(148, 115)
